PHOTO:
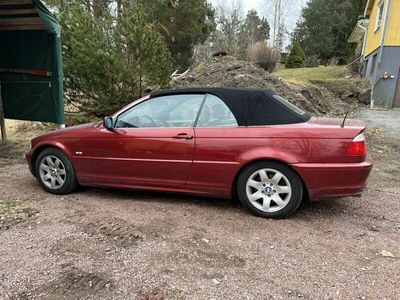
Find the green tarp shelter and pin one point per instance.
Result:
(31, 72)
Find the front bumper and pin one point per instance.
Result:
(332, 180)
(28, 157)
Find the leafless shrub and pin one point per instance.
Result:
(312, 61)
(264, 56)
(334, 61)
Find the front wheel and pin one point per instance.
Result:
(270, 189)
(55, 172)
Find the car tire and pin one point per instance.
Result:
(55, 172)
(270, 189)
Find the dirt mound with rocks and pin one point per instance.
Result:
(227, 71)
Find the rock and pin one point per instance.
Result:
(156, 294)
(373, 228)
(364, 96)
(386, 253)
(347, 94)
(219, 53)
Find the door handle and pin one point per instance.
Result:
(183, 136)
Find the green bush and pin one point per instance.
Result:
(296, 57)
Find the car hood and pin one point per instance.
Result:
(69, 132)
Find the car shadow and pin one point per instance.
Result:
(160, 197)
(307, 210)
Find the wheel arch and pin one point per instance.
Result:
(38, 149)
(236, 178)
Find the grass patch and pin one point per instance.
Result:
(25, 130)
(12, 152)
(335, 79)
(309, 75)
(19, 135)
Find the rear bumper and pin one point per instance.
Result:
(332, 180)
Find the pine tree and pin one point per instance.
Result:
(325, 27)
(296, 57)
(253, 30)
(183, 24)
(107, 65)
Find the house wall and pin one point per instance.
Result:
(374, 37)
(393, 30)
(368, 66)
(384, 90)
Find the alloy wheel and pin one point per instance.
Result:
(268, 190)
(52, 172)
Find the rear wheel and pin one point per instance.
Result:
(55, 172)
(270, 189)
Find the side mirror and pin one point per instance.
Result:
(108, 123)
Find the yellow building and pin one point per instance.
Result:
(379, 31)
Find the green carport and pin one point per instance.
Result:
(31, 72)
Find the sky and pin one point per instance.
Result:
(291, 9)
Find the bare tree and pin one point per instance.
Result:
(284, 14)
(229, 20)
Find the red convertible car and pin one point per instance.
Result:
(219, 142)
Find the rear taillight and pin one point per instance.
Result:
(357, 145)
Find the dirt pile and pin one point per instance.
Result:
(351, 89)
(226, 71)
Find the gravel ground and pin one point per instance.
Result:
(389, 119)
(108, 244)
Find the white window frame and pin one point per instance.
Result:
(379, 15)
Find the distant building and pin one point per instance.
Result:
(283, 57)
(378, 37)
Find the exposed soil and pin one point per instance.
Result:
(227, 71)
(103, 244)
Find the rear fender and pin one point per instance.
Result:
(267, 153)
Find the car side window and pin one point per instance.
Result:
(215, 113)
(162, 112)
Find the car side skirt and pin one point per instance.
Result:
(121, 183)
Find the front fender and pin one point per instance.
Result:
(32, 155)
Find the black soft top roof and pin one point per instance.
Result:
(249, 106)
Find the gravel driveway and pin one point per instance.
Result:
(389, 119)
(103, 244)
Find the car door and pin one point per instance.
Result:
(151, 144)
(218, 140)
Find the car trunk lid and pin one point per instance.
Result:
(338, 122)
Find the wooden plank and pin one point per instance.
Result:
(17, 11)
(26, 71)
(22, 27)
(21, 21)
(12, 2)
(2, 121)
